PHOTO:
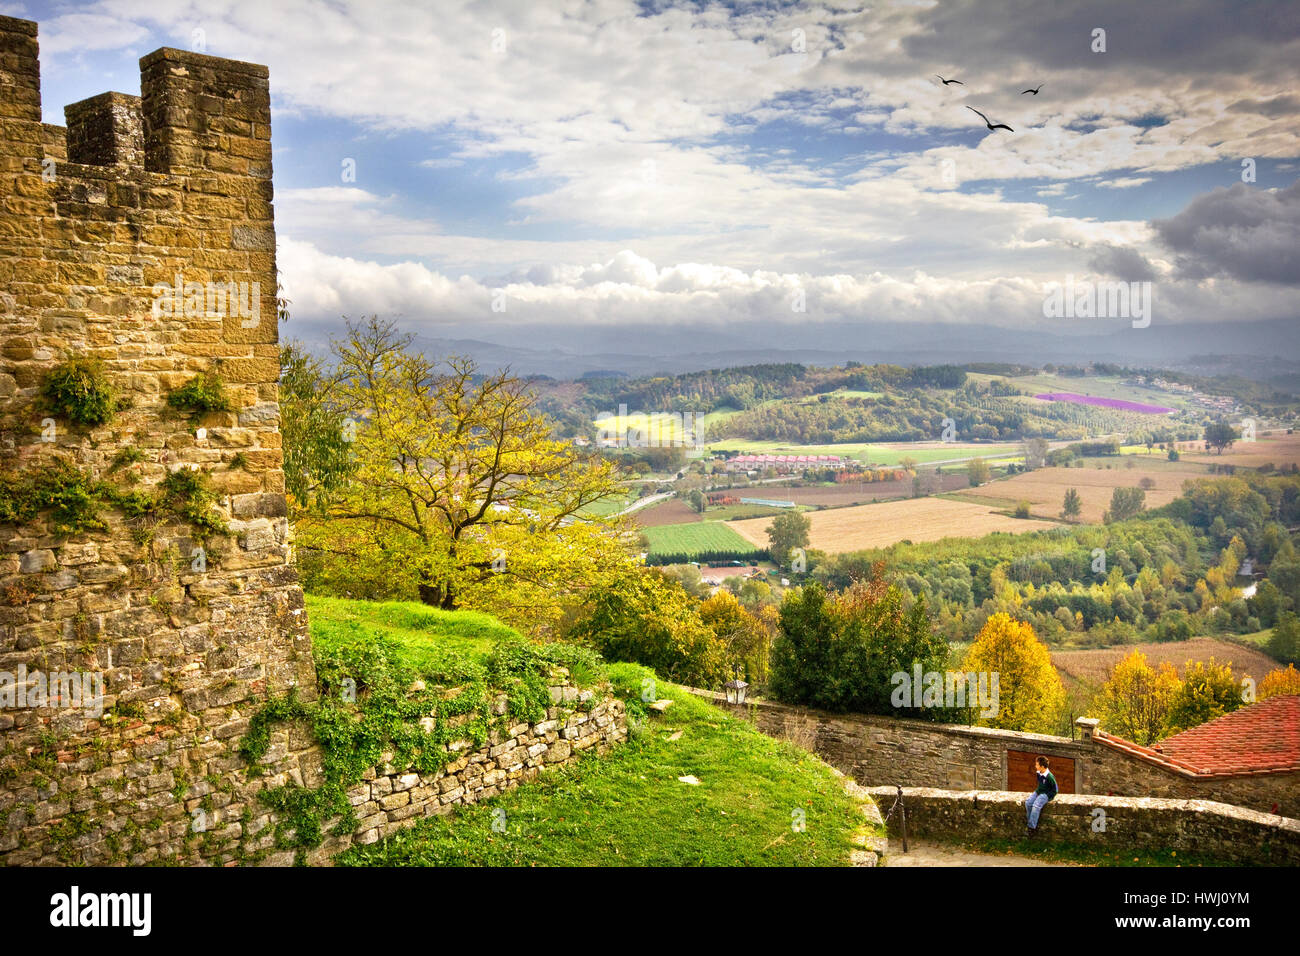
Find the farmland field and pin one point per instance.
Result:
(1123, 404)
(607, 506)
(1045, 488)
(1091, 668)
(1275, 448)
(854, 492)
(700, 536)
(1099, 386)
(655, 429)
(876, 453)
(879, 525)
(672, 511)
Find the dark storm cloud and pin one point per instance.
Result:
(1123, 263)
(1241, 232)
(1204, 34)
(1278, 106)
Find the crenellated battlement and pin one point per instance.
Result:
(196, 115)
(105, 130)
(188, 625)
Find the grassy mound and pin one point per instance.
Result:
(418, 629)
(630, 808)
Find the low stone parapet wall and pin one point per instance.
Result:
(1119, 824)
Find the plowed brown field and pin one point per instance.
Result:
(878, 525)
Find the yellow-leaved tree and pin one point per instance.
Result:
(459, 491)
(1279, 682)
(746, 635)
(1030, 693)
(1135, 699)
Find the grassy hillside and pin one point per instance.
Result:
(625, 808)
(629, 808)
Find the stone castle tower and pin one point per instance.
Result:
(99, 222)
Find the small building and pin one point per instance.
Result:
(786, 464)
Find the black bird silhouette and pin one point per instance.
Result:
(947, 82)
(1034, 90)
(992, 126)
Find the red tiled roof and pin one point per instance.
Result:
(1257, 739)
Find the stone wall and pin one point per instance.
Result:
(391, 798)
(97, 222)
(887, 751)
(1110, 824)
(135, 192)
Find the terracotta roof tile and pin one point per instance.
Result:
(1258, 738)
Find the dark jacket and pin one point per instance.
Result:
(1047, 785)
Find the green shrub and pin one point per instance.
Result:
(203, 393)
(79, 391)
(840, 652)
(129, 455)
(651, 619)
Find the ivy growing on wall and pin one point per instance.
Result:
(76, 500)
(203, 393)
(79, 391)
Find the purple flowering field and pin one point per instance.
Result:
(1116, 403)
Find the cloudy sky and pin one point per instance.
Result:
(619, 165)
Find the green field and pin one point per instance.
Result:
(657, 428)
(733, 512)
(608, 506)
(629, 807)
(695, 538)
(1098, 386)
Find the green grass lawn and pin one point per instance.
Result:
(694, 538)
(1258, 639)
(424, 634)
(628, 808)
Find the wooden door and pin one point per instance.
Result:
(1021, 775)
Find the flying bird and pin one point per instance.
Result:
(992, 126)
(947, 82)
(1034, 90)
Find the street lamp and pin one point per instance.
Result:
(735, 689)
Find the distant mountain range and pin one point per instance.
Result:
(1264, 351)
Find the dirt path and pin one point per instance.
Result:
(942, 854)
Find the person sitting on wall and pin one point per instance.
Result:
(1046, 791)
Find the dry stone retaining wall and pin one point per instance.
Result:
(391, 798)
